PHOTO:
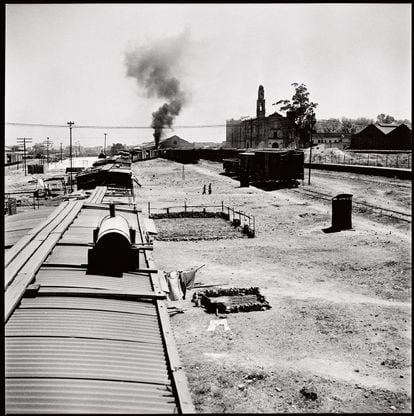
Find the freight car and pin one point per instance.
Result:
(111, 174)
(86, 323)
(231, 166)
(181, 155)
(218, 155)
(285, 167)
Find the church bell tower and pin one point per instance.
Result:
(260, 109)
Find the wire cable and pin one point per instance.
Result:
(112, 127)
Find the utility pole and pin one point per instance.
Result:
(70, 124)
(312, 124)
(24, 140)
(61, 152)
(310, 158)
(104, 149)
(47, 142)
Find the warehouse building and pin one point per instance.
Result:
(380, 136)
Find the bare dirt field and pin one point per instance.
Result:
(338, 335)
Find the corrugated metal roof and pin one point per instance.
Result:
(72, 349)
(51, 395)
(385, 128)
(59, 277)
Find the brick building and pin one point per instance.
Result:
(329, 140)
(273, 131)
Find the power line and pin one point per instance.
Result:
(113, 127)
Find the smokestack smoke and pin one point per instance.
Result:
(152, 68)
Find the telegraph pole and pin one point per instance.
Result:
(70, 124)
(47, 142)
(312, 124)
(104, 149)
(24, 140)
(310, 158)
(61, 152)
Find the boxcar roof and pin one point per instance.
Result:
(78, 342)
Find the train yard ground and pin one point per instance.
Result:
(338, 335)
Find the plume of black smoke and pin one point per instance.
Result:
(153, 69)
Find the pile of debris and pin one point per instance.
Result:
(231, 300)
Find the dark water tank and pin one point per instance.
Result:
(113, 252)
(342, 212)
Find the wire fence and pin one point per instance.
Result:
(399, 160)
(237, 217)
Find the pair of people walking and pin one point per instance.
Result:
(209, 189)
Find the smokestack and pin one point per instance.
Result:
(152, 68)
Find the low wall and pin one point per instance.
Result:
(366, 170)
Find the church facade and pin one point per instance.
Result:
(273, 131)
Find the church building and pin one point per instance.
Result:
(273, 131)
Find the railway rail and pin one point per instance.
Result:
(77, 339)
(398, 215)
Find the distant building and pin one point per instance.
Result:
(12, 155)
(172, 142)
(329, 140)
(380, 136)
(116, 148)
(175, 142)
(263, 131)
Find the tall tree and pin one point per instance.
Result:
(302, 110)
(385, 118)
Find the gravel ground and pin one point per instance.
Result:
(338, 336)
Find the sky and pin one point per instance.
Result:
(67, 62)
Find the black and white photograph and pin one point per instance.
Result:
(207, 208)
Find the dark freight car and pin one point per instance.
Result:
(181, 155)
(108, 175)
(282, 166)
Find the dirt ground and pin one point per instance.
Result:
(338, 335)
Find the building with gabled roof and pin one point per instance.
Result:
(381, 136)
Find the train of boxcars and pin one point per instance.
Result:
(254, 166)
(86, 323)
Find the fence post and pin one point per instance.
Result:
(397, 162)
(368, 159)
(222, 207)
(386, 160)
(168, 212)
(149, 209)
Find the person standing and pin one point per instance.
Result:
(204, 189)
(209, 188)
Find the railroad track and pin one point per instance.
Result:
(401, 216)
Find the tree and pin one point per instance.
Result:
(332, 125)
(362, 122)
(302, 112)
(385, 119)
(38, 150)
